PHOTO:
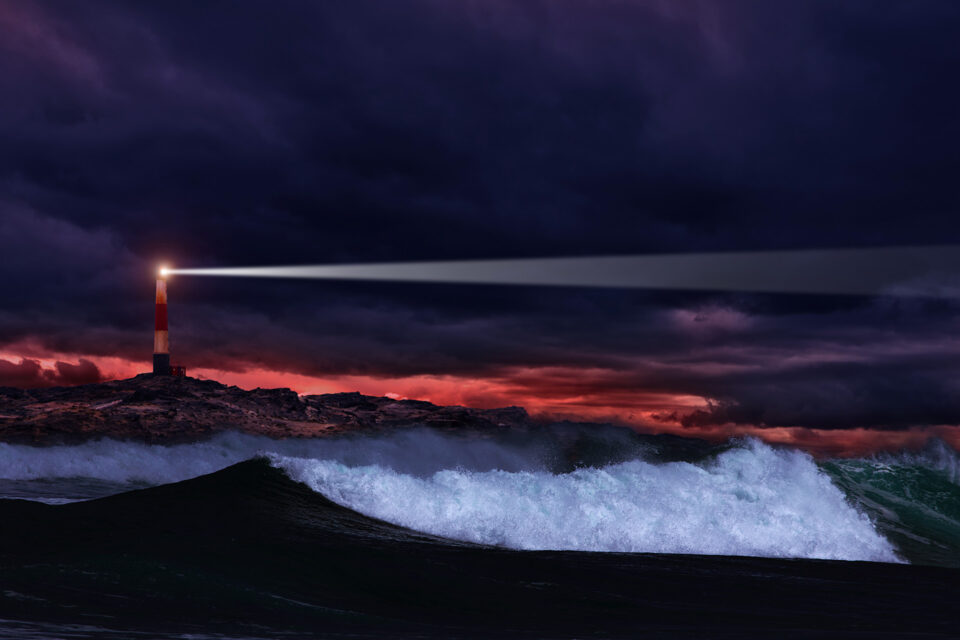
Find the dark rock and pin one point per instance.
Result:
(169, 409)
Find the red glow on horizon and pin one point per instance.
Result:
(640, 410)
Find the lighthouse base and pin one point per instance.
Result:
(161, 364)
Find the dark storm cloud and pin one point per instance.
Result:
(29, 374)
(273, 133)
(838, 395)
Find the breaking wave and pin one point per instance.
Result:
(564, 490)
(751, 500)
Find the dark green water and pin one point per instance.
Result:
(914, 499)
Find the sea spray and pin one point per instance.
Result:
(564, 486)
(414, 451)
(750, 500)
(936, 455)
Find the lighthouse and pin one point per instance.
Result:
(161, 333)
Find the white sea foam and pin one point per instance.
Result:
(414, 451)
(123, 462)
(751, 500)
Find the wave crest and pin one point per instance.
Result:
(750, 500)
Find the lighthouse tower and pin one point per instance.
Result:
(161, 336)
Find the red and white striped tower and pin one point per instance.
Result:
(161, 337)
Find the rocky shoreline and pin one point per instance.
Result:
(165, 409)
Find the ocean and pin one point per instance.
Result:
(556, 532)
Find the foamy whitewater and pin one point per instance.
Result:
(416, 451)
(750, 499)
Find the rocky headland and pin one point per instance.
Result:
(168, 409)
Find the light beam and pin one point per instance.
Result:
(910, 271)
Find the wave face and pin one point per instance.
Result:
(249, 552)
(564, 488)
(751, 500)
(914, 499)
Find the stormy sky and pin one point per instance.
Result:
(258, 133)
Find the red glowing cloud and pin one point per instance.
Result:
(548, 393)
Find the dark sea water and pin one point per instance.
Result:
(559, 532)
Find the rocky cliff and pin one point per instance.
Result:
(167, 409)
